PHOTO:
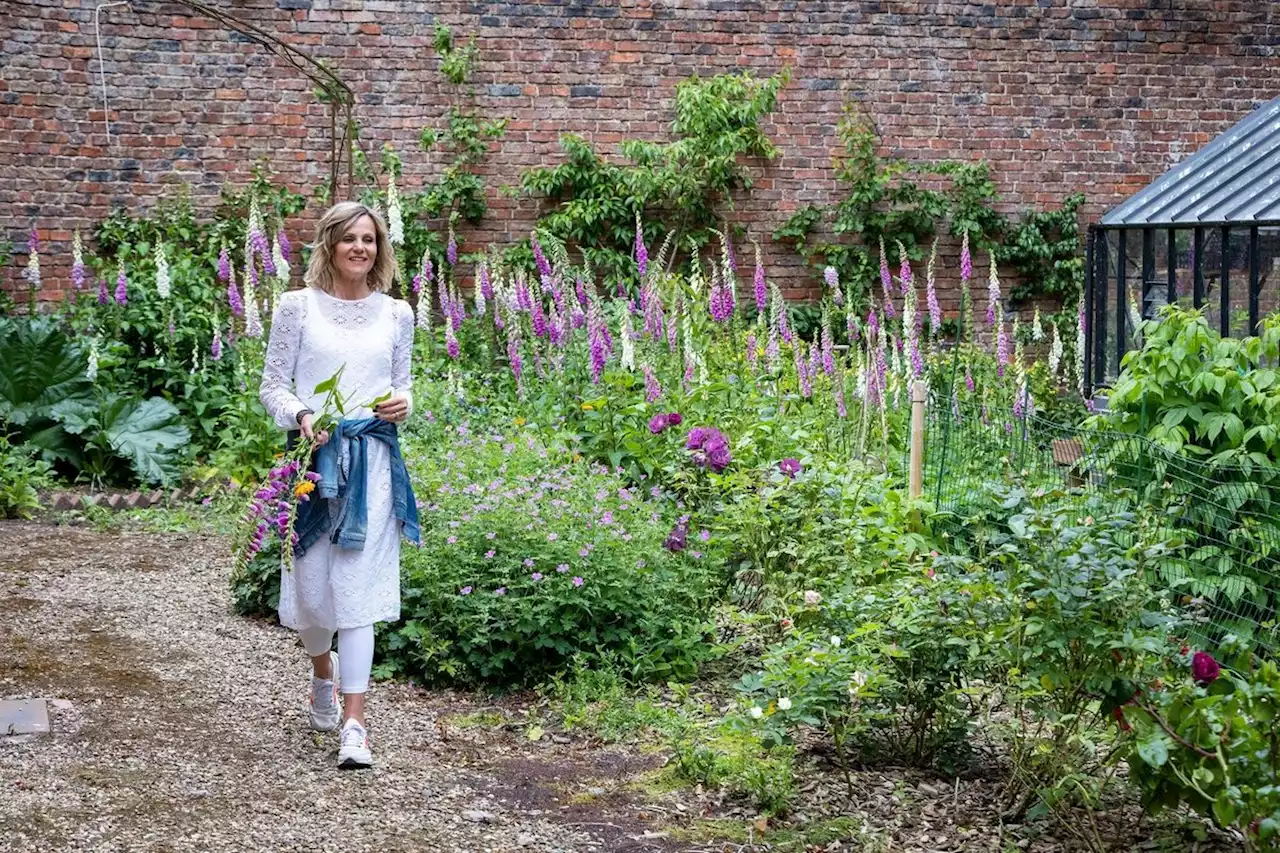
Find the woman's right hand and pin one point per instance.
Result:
(320, 438)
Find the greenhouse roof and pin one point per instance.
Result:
(1235, 179)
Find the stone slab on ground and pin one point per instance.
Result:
(23, 717)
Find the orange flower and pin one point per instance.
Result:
(306, 487)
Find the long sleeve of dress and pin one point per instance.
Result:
(402, 352)
(277, 394)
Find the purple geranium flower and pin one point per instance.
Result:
(789, 466)
(466, 590)
(709, 448)
(675, 541)
(658, 423)
(578, 581)
(536, 576)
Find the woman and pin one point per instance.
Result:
(348, 580)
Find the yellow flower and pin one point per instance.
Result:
(587, 407)
(520, 421)
(306, 487)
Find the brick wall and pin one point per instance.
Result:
(1059, 95)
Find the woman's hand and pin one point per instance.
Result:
(320, 438)
(394, 409)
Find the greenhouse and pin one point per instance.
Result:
(1205, 233)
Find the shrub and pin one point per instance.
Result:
(1208, 739)
(531, 559)
(21, 474)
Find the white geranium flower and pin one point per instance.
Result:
(784, 704)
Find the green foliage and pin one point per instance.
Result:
(22, 473)
(1045, 249)
(531, 560)
(147, 436)
(1196, 393)
(886, 199)
(1081, 629)
(255, 583)
(42, 366)
(458, 193)
(737, 761)
(879, 668)
(678, 189)
(1212, 745)
(162, 346)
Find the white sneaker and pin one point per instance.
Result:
(323, 706)
(354, 753)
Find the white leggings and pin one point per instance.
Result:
(355, 653)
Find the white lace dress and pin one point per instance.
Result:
(314, 334)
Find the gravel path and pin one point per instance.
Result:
(180, 725)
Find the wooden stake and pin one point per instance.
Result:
(919, 393)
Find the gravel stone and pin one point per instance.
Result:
(181, 725)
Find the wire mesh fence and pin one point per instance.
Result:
(1226, 517)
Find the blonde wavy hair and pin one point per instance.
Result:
(329, 232)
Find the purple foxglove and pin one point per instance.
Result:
(832, 278)
(539, 259)
(802, 370)
(282, 242)
(966, 259)
(77, 261)
(451, 249)
(753, 357)
(486, 286)
(1002, 346)
(641, 253)
(450, 339)
(771, 351)
(828, 345)
(233, 298)
(103, 296)
(596, 343)
(904, 269)
(524, 300)
(122, 286)
(224, 264)
(968, 380)
(762, 294)
(652, 389)
(931, 292)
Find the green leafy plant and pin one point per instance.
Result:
(22, 474)
(147, 436)
(677, 188)
(531, 560)
(1209, 740)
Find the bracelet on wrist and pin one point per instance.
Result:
(302, 415)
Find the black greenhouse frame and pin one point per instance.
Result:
(1118, 279)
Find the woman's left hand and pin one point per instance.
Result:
(394, 409)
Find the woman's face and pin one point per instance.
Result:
(356, 251)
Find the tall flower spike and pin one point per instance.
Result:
(828, 344)
(627, 334)
(162, 271)
(993, 291)
(832, 278)
(104, 296)
(256, 239)
(233, 295)
(451, 248)
(904, 268)
(1081, 321)
(280, 259)
(966, 259)
(931, 292)
(652, 389)
(1002, 342)
(539, 259)
(641, 252)
(215, 347)
(1037, 330)
(32, 271)
(122, 285)
(450, 338)
(224, 264)
(761, 293)
(395, 215)
(77, 261)
(1055, 352)
(91, 371)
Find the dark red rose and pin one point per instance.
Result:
(1204, 669)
